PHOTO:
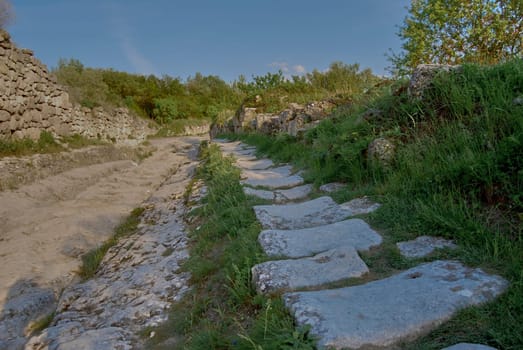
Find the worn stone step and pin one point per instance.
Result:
(280, 196)
(258, 164)
(308, 241)
(316, 212)
(469, 346)
(287, 275)
(404, 306)
(274, 178)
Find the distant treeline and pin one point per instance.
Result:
(167, 99)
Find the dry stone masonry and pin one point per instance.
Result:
(31, 101)
(312, 243)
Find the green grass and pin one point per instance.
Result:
(45, 144)
(457, 173)
(223, 310)
(91, 260)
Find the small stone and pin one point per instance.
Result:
(423, 246)
(361, 206)
(381, 150)
(332, 187)
(287, 275)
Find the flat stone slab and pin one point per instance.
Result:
(316, 212)
(309, 241)
(423, 246)
(381, 313)
(361, 205)
(287, 275)
(469, 346)
(258, 164)
(274, 178)
(280, 196)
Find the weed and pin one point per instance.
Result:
(91, 260)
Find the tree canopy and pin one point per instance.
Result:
(458, 31)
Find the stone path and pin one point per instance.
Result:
(316, 242)
(48, 225)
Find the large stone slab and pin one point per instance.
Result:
(286, 275)
(274, 178)
(423, 246)
(258, 164)
(308, 241)
(316, 212)
(469, 346)
(403, 306)
(280, 196)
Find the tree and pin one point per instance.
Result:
(458, 31)
(6, 13)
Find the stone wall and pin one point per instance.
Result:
(31, 101)
(293, 120)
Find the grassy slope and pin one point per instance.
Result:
(457, 173)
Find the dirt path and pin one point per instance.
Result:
(45, 227)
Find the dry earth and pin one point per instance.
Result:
(46, 226)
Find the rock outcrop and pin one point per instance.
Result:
(293, 120)
(31, 101)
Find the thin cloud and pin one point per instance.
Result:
(122, 33)
(289, 70)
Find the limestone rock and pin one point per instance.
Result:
(381, 150)
(258, 164)
(330, 266)
(469, 346)
(316, 212)
(273, 178)
(309, 241)
(361, 205)
(423, 246)
(332, 187)
(422, 77)
(383, 312)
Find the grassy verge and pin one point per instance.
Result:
(223, 311)
(91, 260)
(45, 144)
(457, 173)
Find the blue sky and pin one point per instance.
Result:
(219, 37)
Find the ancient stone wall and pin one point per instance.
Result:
(293, 120)
(31, 101)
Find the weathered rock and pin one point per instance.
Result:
(25, 303)
(330, 266)
(316, 212)
(258, 164)
(423, 246)
(309, 241)
(273, 178)
(280, 196)
(381, 313)
(381, 150)
(469, 346)
(422, 76)
(361, 205)
(332, 187)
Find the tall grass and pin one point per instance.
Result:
(457, 172)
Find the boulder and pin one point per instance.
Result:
(381, 150)
(422, 76)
